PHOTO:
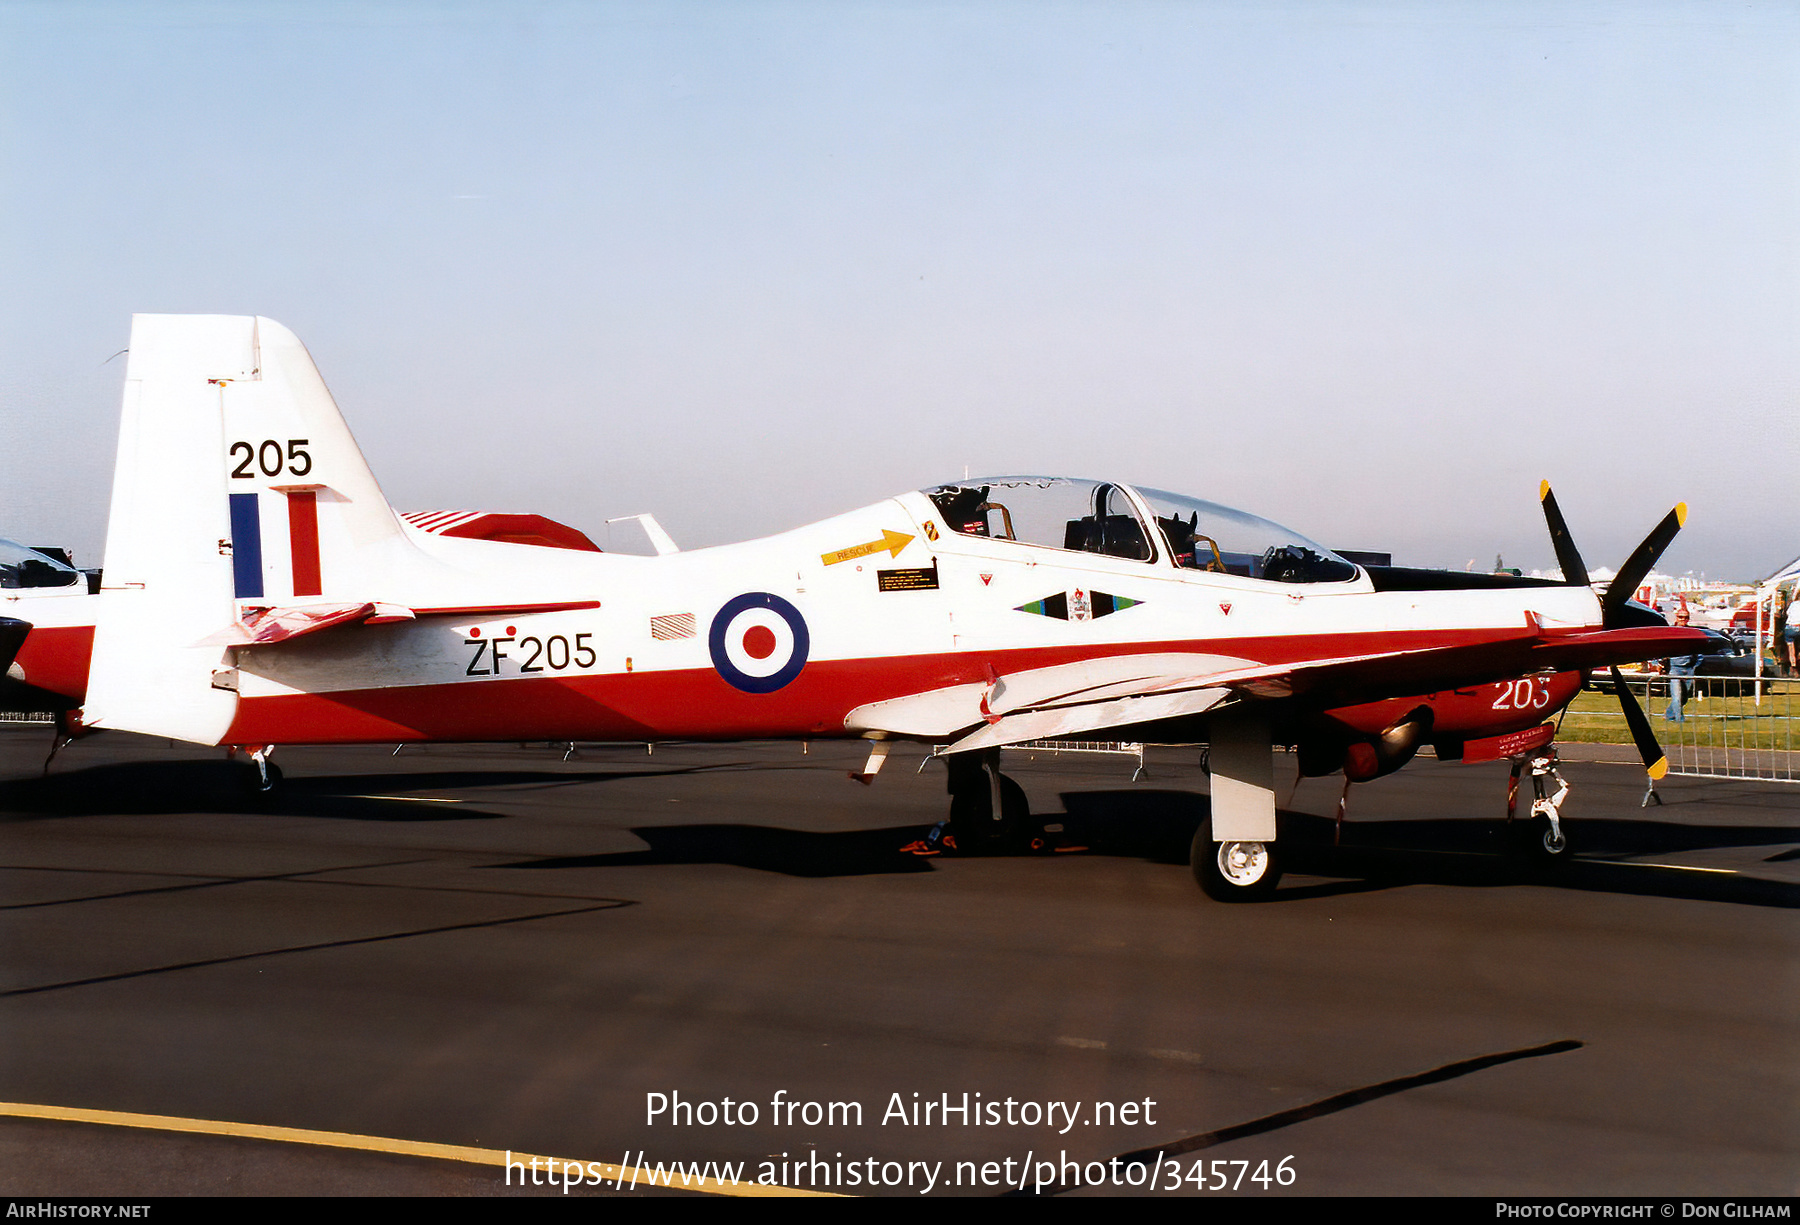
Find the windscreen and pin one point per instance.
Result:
(23, 567)
(1207, 536)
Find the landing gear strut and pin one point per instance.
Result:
(1234, 855)
(1542, 834)
(268, 774)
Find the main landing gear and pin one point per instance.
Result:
(268, 775)
(988, 810)
(1234, 856)
(1541, 834)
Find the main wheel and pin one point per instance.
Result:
(1234, 871)
(973, 819)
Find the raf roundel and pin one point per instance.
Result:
(758, 642)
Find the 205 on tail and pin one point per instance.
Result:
(259, 590)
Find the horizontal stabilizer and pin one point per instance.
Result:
(267, 626)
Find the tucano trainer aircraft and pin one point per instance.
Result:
(258, 590)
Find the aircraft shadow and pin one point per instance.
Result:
(1159, 826)
(156, 788)
(218, 786)
(862, 852)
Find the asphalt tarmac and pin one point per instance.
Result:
(492, 948)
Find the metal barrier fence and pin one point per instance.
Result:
(1728, 727)
(1110, 748)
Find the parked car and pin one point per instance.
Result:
(1726, 669)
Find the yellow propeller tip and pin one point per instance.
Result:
(1659, 769)
(1543, 490)
(1681, 513)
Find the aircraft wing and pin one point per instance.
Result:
(1122, 691)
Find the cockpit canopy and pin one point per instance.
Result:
(1144, 525)
(23, 567)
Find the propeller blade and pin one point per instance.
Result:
(1625, 584)
(1656, 764)
(1567, 555)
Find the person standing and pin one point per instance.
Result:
(1783, 638)
(1681, 670)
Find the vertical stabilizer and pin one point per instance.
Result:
(238, 486)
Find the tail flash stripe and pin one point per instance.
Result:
(246, 546)
(303, 537)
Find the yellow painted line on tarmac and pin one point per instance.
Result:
(619, 1176)
(407, 799)
(1678, 867)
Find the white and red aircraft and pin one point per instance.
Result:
(258, 590)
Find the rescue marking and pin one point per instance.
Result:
(890, 543)
(759, 642)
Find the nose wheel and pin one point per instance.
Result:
(1542, 833)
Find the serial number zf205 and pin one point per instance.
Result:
(553, 653)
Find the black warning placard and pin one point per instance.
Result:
(924, 578)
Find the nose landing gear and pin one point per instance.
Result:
(1541, 834)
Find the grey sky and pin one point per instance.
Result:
(1371, 270)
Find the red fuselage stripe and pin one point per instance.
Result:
(697, 704)
(56, 657)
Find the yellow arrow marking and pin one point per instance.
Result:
(890, 543)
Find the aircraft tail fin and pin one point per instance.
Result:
(237, 485)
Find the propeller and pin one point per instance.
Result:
(1618, 610)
